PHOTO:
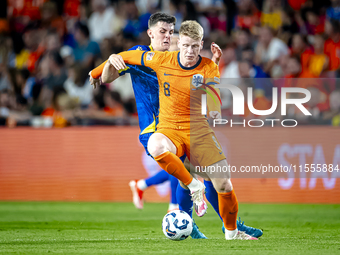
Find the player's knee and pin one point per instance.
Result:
(156, 149)
(155, 146)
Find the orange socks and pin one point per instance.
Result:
(228, 207)
(174, 166)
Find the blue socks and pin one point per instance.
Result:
(173, 186)
(161, 177)
(182, 196)
(212, 196)
(184, 200)
(158, 178)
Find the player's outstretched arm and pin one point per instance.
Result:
(117, 61)
(95, 75)
(217, 53)
(110, 71)
(107, 71)
(114, 63)
(133, 57)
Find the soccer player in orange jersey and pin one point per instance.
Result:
(181, 124)
(160, 27)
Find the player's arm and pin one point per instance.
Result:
(95, 75)
(117, 61)
(110, 72)
(107, 71)
(217, 53)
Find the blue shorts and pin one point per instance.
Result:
(144, 141)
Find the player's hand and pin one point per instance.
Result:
(117, 61)
(217, 52)
(94, 82)
(215, 115)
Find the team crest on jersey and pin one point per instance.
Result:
(197, 80)
(149, 56)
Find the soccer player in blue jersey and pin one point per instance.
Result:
(145, 85)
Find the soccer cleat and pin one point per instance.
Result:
(137, 194)
(196, 233)
(254, 232)
(241, 236)
(199, 204)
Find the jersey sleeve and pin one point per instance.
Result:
(133, 57)
(213, 78)
(150, 59)
(128, 69)
(153, 59)
(97, 72)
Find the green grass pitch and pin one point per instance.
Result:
(118, 228)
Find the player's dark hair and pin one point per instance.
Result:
(161, 16)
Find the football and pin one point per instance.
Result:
(177, 225)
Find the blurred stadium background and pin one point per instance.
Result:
(62, 140)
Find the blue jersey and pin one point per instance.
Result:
(145, 86)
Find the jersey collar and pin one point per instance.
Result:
(150, 46)
(192, 67)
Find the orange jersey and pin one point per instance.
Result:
(180, 88)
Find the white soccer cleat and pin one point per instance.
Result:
(137, 194)
(240, 235)
(199, 204)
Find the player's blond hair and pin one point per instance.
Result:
(192, 29)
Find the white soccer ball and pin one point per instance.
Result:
(177, 225)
